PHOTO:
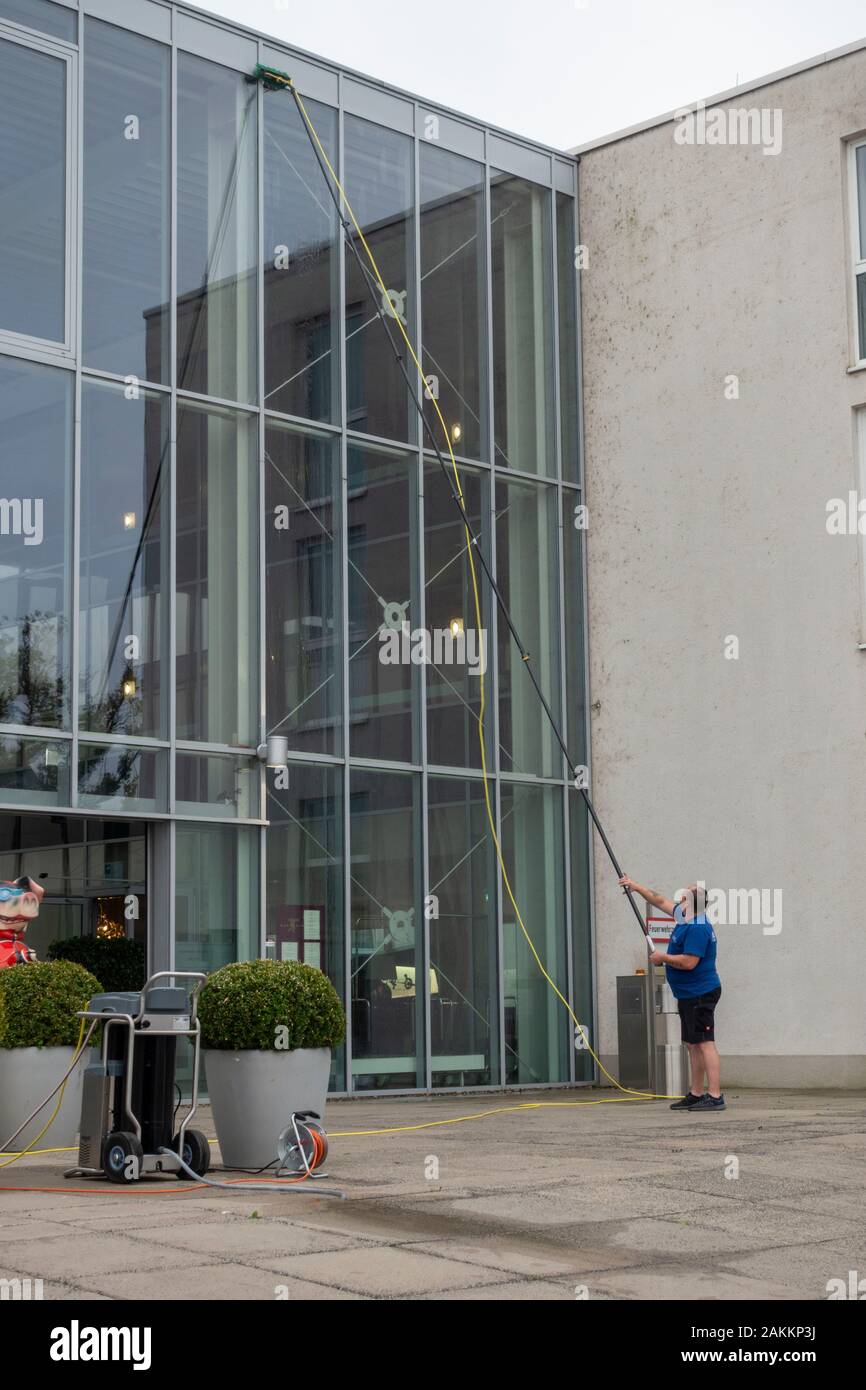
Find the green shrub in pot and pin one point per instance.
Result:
(243, 1007)
(268, 1028)
(118, 961)
(38, 1004)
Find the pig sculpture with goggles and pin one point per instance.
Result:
(19, 904)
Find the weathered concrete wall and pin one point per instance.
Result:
(708, 519)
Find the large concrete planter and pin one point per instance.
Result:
(29, 1074)
(254, 1094)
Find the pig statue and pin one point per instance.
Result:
(19, 904)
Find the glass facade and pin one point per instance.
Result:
(221, 519)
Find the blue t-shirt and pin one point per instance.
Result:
(695, 938)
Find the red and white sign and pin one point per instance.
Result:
(659, 927)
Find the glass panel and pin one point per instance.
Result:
(537, 1025)
(522, 325)
(301, 293)
(124, 559)
(217, 577)
(458, 652)
(34, 772)
(464, 1000)
(382, 600)
(861, 314)
(566, 238)
(55, 20)
(35, 521)
(127, 122)
(453, 297)
(217, 897)
(32, 192)
(387, 915)
(216, 234)
(526, 560)
(380, 184)
(861, 197)
(303, 611)
(305, 879)
(581, 932)
(215, 786)
(117, 778)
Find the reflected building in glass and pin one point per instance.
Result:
(221, 511)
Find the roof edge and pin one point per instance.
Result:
(829, 57)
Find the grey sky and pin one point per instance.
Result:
(561, 71)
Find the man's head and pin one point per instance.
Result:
(692, 901)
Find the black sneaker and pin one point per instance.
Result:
(688, 1102)
(710, 1103)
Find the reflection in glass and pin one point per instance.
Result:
(217, 896)
(382, 582)
(216, 235)
(118, 778)
(34, 772)
(464, 1010)
(302, 607)
(215, 786)
(522, 324)
(305, 879)
(127, 99)
(56, 20)
(566, 274)
(387, 931)
(32, 192)
(452, 296)
(124, 559)
(537, 1026)
(35, 525)
(527, 573)
(380, 183)
(217, 564)
(301, 296)
(579, 835)
(453, 691)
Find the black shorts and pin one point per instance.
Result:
(697, 1017)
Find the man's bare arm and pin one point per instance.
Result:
(650, 895)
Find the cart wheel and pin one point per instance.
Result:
(122, 1155)
(196, 1153)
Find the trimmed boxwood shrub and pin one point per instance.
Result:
(242, 1006)
(117, 961)
(38, 1003)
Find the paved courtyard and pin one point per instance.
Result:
(600, 1201)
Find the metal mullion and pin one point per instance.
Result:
(563, 663)
(149, 387)
(344, 599)
(74, 306)
(492, 610)
(419, 680)
(261, 485)
(322, 428)
(171, 709)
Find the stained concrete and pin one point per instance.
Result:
(568, 1200)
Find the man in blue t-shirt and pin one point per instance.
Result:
(690, 966)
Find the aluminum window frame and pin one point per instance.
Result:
(27, 344)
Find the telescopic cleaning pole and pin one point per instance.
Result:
(273, 80)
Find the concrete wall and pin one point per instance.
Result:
(708, 519)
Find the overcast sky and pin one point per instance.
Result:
(561, 71)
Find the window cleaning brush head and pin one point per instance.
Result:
(271, 78)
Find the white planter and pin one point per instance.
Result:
(254, 1094)
(28, 1075)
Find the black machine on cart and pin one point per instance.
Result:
(129, 1099)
